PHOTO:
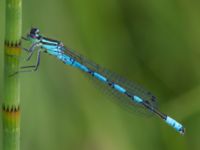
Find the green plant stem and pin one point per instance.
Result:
(11, 101)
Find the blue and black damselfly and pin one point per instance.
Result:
(133, 94)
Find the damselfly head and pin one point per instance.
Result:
(34, 33)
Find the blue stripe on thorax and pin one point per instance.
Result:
(51, 48)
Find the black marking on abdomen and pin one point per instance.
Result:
(110, 83)
(72, 60)
(91, 72)
(156, 111)
(128, 94)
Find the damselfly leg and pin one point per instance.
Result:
(30, 68)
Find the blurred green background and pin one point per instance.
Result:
(154, 42)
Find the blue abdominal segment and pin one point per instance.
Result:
(119, 88)
(100, 77)
(137, 99)
(80, 66)
(173, 123)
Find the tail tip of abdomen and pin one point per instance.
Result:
(182, 131)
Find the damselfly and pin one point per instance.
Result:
(133, 94)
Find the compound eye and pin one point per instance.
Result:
(37, 31)
(34, 31)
